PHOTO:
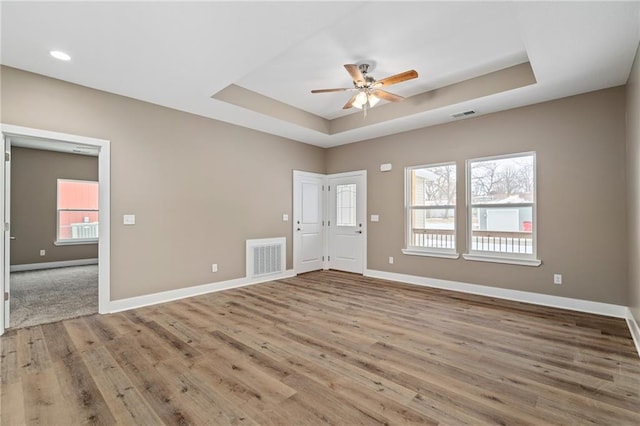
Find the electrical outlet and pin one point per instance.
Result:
(557, 278)
(391, 260)
(214, 267)
(42, 252)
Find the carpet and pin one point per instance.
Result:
(49, 295)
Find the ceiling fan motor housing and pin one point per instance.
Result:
(368, 80)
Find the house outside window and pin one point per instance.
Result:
(77, 212)
(430, 204)
(501, 203)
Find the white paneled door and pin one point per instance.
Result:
(329, 221)
(308, 220)
(347, 221)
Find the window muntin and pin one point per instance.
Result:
(431, 208)
(502, 206)
(77, 211)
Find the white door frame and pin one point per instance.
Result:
(104, 179)
(325, 235)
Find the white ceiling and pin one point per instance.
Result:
(179, 54)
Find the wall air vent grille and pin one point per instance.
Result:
(463, 113)
(266, 257)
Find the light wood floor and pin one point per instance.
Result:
(324, 347)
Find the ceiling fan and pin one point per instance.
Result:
(369, 89)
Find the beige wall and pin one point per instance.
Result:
(198, 187)
(34, 175)
(580, 146)
(633, 184)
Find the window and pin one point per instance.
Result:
(77, 212)
(501, 209)
(431, 210)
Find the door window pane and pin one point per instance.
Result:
(346, 205)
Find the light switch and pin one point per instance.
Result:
(129, 219)
(375, 218)
(285, 217)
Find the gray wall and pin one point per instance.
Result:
(633, 184)
(34, 175)
(580, 146)
(199, 187)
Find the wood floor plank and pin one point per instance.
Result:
(80, 333)
(12, 406)
(324, 348)
(124, 400)
(157, 391)
(74, 379)
(231, 400)
(44, 403)
(32, 350)
(9, 363)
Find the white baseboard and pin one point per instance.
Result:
(599, 308)
(634, 328)
(49, 265)
(168, 296)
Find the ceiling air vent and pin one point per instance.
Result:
(463, 113)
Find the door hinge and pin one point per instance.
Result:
(328, 223)
(6, 296)
(323, 187)
(323, 223)
(7, 156)
(329, 188)
(6, 226)
(323, 258)
(329, 258)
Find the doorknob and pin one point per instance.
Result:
(12, 238)
(358, 232)
(299, 229)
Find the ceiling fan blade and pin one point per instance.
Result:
(382, 94)
(355, 73)
(349, 104)
(398, 78)
(329, 90)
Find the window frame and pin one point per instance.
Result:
(73, 241)
(409, 208)
(488, 256)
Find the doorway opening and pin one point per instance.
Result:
(66, 273)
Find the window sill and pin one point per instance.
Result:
(444, 255)
(74, 242)
(509, 260)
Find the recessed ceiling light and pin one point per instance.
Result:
(60, 55)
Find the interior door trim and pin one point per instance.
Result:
(104, 179)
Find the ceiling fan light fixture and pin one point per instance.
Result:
(361, 100)
(373, 100)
